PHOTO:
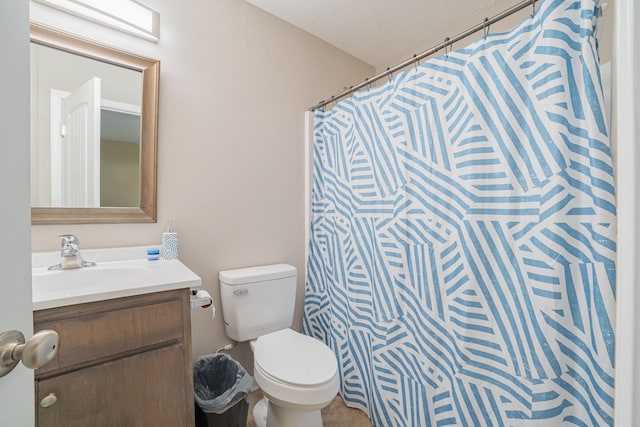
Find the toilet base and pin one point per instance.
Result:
(260, 413)
(267, 414)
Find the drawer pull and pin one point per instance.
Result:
(48, 400)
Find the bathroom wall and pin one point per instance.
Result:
(626, 126)
(458, 26)
(234, 85)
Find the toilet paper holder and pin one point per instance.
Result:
(200, 298)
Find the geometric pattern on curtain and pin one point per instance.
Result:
(462, 253)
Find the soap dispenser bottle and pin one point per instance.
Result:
(170, 243)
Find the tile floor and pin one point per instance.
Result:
(337, 414)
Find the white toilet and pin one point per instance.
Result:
(297, 374)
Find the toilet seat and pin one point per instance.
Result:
(292, 358)
(295, 369)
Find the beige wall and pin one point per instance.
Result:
(461, 25)
(234, 85)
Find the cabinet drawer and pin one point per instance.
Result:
(98, 336)
(146, 389)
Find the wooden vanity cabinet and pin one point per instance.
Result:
(124, 362)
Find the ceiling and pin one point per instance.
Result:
(377, 31)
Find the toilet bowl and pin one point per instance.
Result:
(297, 374)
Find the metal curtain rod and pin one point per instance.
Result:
(447, 42)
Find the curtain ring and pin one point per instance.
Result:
(389, 74)
(415, 62)
(485, 28)
(533, 6)
(446, 44)
(367, 80)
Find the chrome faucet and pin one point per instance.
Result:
(70, 254)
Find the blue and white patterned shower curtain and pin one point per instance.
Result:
(462, 254)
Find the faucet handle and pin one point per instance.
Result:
(69, 239)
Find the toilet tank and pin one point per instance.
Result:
(257, 300)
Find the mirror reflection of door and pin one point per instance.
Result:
(89, 174)
(75, 146)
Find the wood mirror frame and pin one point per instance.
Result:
(150, 69)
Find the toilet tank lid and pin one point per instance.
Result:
(262, 273)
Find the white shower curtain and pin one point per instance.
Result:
(462, 253)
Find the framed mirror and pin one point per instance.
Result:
(94, 121)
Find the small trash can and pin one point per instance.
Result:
(221, 391)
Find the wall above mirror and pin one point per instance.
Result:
(93, 131)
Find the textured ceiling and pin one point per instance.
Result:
(376, 31)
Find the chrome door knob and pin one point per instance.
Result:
(38, 351)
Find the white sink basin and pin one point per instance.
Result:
(107, 280)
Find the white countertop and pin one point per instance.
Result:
(120, 272)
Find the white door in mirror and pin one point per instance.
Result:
(35, 353)
(75, 149)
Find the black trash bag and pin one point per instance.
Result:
(219, 383)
